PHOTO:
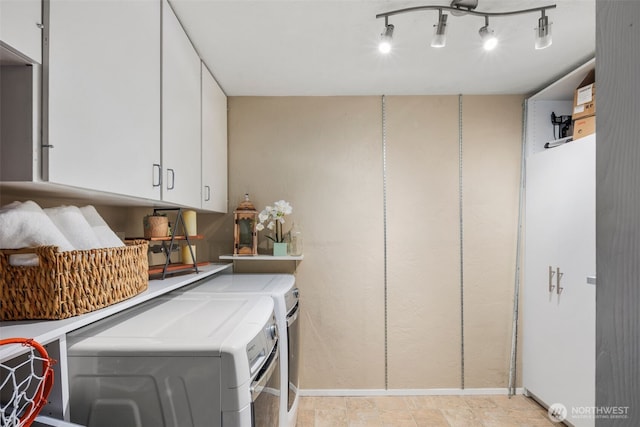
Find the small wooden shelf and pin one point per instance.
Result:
(173, 268)
(168, 238)
(262, 257)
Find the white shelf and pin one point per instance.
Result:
(262, 257)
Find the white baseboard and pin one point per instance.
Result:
(408, 392)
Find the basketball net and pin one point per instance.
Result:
(25, 383)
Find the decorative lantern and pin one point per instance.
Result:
(245, 236)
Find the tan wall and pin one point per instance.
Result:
(324, 155)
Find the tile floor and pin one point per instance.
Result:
(421, 411)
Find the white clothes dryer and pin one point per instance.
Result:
(176, 361)
(282, 289)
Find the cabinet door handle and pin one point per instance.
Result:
(551, 273)
(40, 25)
(558, 277)
(159, 168)
(208, 196)
(173, 179)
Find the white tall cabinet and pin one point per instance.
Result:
(559, 286)
(103, 102)
(180, 114)
(214, 144)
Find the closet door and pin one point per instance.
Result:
(559, 324)
(423, 254)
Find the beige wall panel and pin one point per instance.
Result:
(492, 142)
(423, 242)
(323, 155)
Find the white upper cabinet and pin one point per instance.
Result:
(20, 27)
(214, 144)
(104, 96)
(181, 143)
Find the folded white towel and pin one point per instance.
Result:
(25, 225)
(74, 227)
(106, 236)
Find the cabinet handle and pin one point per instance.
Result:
(208, 196)
(173, 179)
(551, 273)
(40, 25)
(558, 277)
(155, 165)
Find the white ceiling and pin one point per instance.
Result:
(329, 47)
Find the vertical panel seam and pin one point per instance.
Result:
(460, 205)
(516, 285)
(384, 220)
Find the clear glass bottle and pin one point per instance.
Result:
(295, 240)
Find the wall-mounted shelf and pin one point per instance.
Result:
(262, 257)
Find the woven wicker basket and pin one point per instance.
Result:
(67, 284)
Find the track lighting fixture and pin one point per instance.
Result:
(439, 37)
(489, 40)
(386, 38)
(543, 32)
(467, 7)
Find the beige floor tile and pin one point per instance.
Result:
(390, 402)
(360, 402)
(461, 417)
(331, 418)
(306, 418)
(370, 423)
(429, 418)
(393, 416)
(421, 411)
(435, 402)
(363, 417)
(513, 402)
(330, 402)
(479, 402)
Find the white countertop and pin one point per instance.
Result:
(45, 331)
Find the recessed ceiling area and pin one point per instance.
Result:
(329, 47)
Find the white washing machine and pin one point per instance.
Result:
(178, 361)
(282, 289)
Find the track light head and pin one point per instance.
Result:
(489, 40)
(440, 29)
(543, 32)
(386, 39)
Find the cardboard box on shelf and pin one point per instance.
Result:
(584, 98)
(583, 127)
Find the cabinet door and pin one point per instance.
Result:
(180, 114)
(214, 144)
(104, 96)
(559, 329)
(20, 27)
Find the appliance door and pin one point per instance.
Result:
(265, 393)
(293, 341)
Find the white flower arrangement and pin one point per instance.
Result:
(274, 217)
